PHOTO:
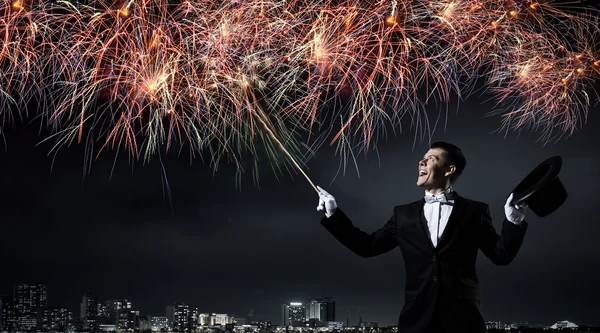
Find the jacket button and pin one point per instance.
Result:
(434, 278)
(434, 258)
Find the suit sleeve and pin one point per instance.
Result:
(500, 249)
(361, 243)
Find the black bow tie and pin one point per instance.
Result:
(442, 198)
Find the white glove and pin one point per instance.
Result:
(327, 202)
(515, 213)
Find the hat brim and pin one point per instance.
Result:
(540, 177)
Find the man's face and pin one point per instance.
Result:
(432, 169)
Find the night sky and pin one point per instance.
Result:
(228, 250)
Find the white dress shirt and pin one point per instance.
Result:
(437, 215)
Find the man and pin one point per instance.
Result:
(439, 236)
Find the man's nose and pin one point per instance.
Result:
(422, 162)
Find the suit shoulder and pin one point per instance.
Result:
(408, 205)
(475, 203)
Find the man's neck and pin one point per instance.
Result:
(437, 190)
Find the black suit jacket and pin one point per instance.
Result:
(441, 279)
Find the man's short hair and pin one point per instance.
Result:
(453, 156)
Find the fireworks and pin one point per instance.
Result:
(230, 77)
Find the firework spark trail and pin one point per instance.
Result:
(544, 83)
(143, 75)
(20, 54)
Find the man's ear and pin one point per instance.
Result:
(450, 170)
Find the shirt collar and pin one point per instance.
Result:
(445, 192)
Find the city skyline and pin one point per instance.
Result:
(103, 307)
(27, 309)
(27, 304)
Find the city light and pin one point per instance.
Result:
(28, 309)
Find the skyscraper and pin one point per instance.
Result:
(183, 317)
(88, 311)
(103, 310)
(116, 312)
(128, 319)
(116, 305)
(159, 323)
(330, 312)
(348, 320)
(57, 320)
(30, 303)
(322, 309)
(293, 314)
(8, 315)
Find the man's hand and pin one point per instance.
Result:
(327, 202)
(515, 213)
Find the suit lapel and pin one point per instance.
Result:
(421, 221)
(457, 210)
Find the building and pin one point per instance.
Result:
(194, 317)
(77, 324)
(368, 325)
(117, 305)
(30, 303)
(220, 319)
(183, 317)
(58, 320)
(335, 325)
(250, 316)
(154, 323)
(314, 310)
(111, 308)
(239, 321)
(322, 310)
(293, 314)
(107, 328)
(102, 311)
(159, 323)
(145, 323)
(564, 324)
(204, 319)
(261, 324)
(498, 325)
(88, 312)
(213, 319)
(8, 315)
(517, 325)
(128, 319)
(115, 312)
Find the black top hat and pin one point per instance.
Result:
(542, 190)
